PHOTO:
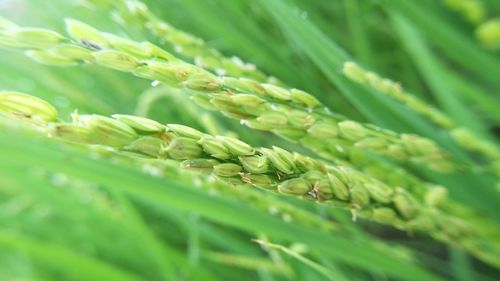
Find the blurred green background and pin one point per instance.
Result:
(100, 220)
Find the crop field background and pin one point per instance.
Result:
(250, 140)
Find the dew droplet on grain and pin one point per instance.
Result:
(287, 217)
(152, 170)
(273, 210)
(220, 72)
(59, 179)
(178, 48)
(339, 148)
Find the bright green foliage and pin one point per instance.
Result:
(249, 140)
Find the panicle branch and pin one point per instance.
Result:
(292, 114)
(274, 169)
